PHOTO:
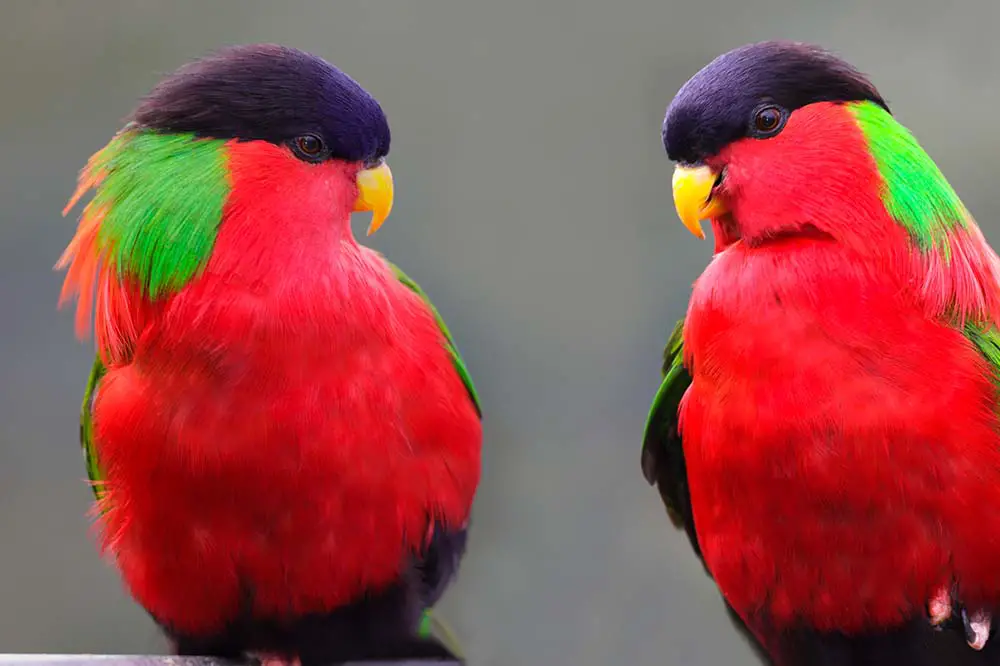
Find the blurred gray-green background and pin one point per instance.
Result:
(533, 204)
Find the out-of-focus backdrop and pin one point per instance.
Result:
(533, 204)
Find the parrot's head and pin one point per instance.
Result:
(290, 114)
(254, 155)
(774, 138)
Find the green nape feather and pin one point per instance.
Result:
(916, 192)
(153, 220)
(162, 197)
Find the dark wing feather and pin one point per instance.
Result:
(662, 453)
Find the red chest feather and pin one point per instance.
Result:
(841, 446)
(298, 437)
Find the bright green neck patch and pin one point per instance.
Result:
(162, 197)
(919, 197)
(916, 192)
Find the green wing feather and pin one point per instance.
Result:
(456, 357)
(662, 452)
(87, 427)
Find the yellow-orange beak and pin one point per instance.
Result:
(375, 194)
(693, 197)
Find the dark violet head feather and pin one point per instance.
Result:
(271, 93)
(715, 106)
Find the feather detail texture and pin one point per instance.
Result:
(148, 230)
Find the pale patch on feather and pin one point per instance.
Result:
(960, 277)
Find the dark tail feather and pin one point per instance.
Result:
(915, 644)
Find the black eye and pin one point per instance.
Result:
(308, 147)
(768, 120)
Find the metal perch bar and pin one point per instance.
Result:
(155, 660)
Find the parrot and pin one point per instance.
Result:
(827, 428)
(283, 439)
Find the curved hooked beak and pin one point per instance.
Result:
(375, 194)
(693, 196)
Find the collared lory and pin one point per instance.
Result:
(827, 430)
(282, 436)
